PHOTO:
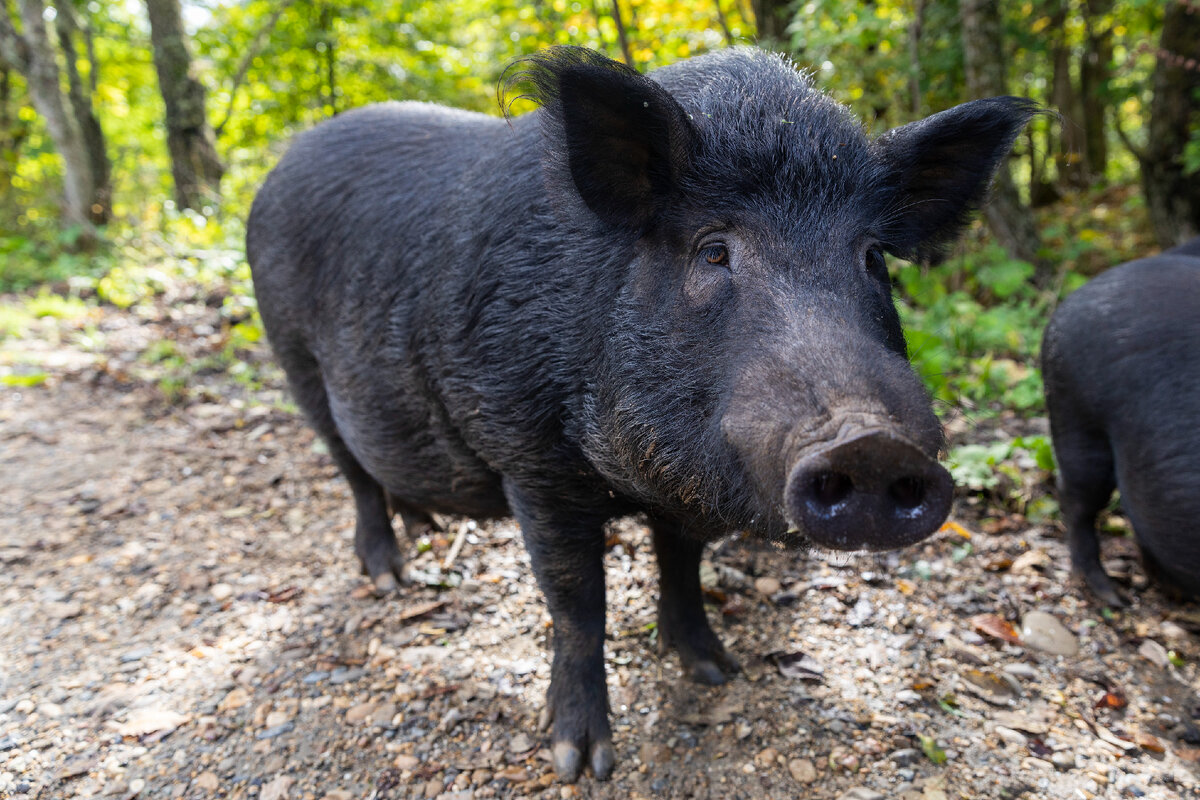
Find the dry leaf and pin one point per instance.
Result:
(995, 626)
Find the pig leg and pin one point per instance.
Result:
(374, 540)
(417, 523)
(1086, 483)
(682, 623)
(566, 548)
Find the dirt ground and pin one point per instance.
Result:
(181, 615)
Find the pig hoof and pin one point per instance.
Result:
(707, 672)
(1104, 590)
(568, 760)
(385, 584)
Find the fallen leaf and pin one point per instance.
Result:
(1148, 742)
(1113, 698)
(147, 721)
(997, 627)
(929, 747)
(421, 609)
(798, 666)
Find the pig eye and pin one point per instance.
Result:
(716, 254)
(876, 265)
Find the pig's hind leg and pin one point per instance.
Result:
(1086, 480)
(682, 623)
(374, 540)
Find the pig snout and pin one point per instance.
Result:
(870, 489)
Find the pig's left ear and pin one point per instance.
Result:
(939, 170)
(621, 138)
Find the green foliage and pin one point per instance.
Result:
(974, 326)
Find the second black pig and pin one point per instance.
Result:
(661, 293)
(1121, 359)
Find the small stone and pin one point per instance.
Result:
(767, 586)
(513, 774)
(221, 592)
(1155, 653)
(905, 756)
(1172, 632)
(908, 697)
(208, 781)
(50, 710)
(382, 716)
(277, 718)
(520, 744)
(337, 794)
(1063, 760)
(1011, 736)
(654, 753)
(767, 756)
(748, 768)
(406, 761)
(1021, 670)
(360, 712)
(1043, 631)
(862, 793)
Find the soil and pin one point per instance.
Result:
(182, 616)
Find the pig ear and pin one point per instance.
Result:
(622, 139)
(940, 169)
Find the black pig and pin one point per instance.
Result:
(660, 294)
(1121, 360)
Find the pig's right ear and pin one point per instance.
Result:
(939, 169)
(619, 136)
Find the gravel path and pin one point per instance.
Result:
(181, 616)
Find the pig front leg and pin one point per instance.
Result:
(566, 548)
(682, 623)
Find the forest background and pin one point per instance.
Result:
(133, 136)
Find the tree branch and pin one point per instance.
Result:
(256, 46)
(1139, 154)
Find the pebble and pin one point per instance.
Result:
(344, 675)
(1063, 760)
(1021, 670)
(337, 794)
(1155, 653)
(208, 781)
(802, 770)
(905, 757)
(862, 793)
(520, 744)
(1043, 631)
(1011, 736)
(908, 697)
(221, 591)
(767, 586)
(767, 756)
(405, 761)
(275, 730)
(359, 712)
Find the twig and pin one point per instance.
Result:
(455, 547)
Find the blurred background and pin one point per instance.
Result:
(134, 133)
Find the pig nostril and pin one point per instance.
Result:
(831, 488)
(908, 493)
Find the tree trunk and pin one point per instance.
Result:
(1069, 155)
(1172, 196)
(1094, 72)
(914, 58)
(85, 116)
(195, 166)
(771, 20)
(1010, 219)
(30, 53)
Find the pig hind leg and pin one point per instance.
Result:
(1086, 483)
(682, 623)
(374, 540)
